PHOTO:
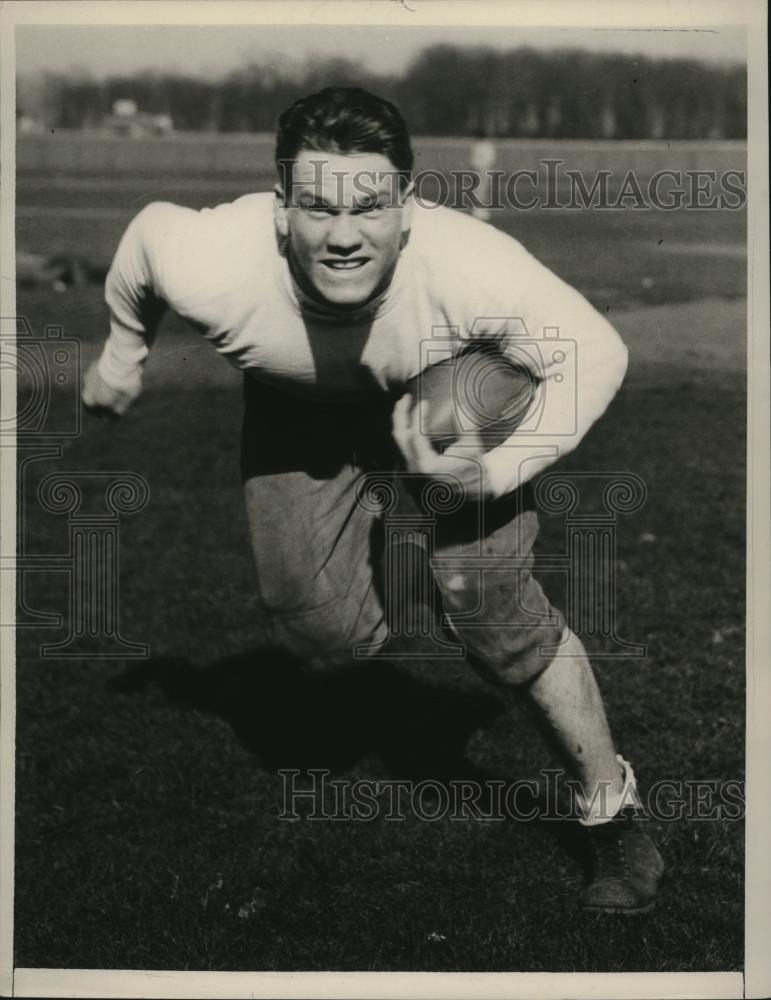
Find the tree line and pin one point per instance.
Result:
(446, 90)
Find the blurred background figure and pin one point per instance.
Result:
(482, 159)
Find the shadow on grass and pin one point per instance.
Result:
(292, 717)
(289, 716)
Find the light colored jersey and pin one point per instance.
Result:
(224, 271)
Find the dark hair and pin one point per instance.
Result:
(343, 120)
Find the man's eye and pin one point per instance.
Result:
(370, 208)
(317, 209)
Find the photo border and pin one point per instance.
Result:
(594, 15)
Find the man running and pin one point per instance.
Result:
(324, 293)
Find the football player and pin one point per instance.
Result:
(322, 292)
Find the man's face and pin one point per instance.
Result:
(344, 217)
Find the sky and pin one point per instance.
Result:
(213, 50)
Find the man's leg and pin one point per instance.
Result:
(311, 538)
(568, 703)
(508, 627)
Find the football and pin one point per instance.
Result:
(479, 389)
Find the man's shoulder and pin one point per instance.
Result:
(222, 238)
(251, 211)
(456, 245)
(248, 209)
(432, 220)
(208, 253)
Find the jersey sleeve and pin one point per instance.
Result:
(578, 360)
(135, 291)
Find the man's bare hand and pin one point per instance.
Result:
(101, 399)
(462, 461)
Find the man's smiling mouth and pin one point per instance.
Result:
(346, 265)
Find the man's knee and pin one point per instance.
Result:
(510, 657)
(332, 635)
(509, 628)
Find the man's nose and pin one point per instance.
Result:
(343, 236)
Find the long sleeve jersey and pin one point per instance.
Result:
(225, 271)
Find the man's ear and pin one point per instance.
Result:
(279, 212)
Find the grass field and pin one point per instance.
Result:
(148, 795)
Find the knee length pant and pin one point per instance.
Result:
(318, 540)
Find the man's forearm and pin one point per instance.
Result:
(132, 292)
(127, 347)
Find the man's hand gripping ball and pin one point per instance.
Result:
(457, 410)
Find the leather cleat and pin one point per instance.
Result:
(626, 865)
